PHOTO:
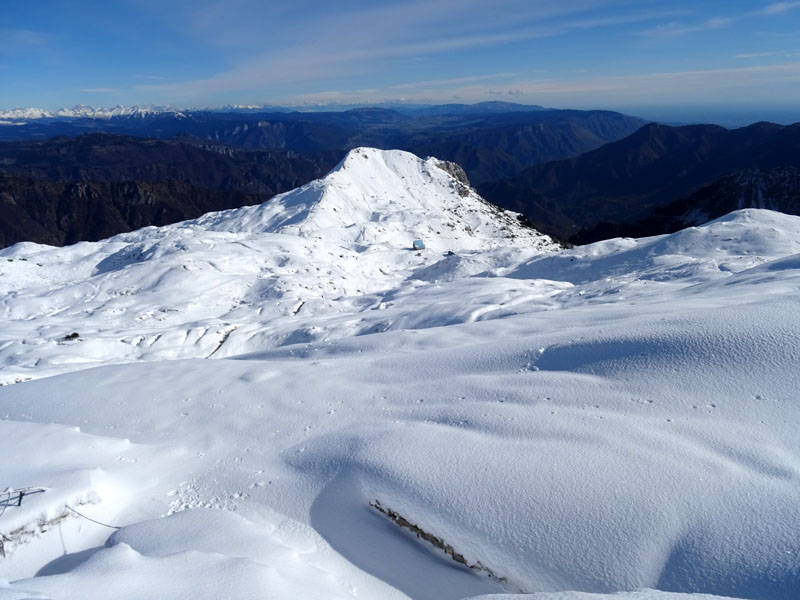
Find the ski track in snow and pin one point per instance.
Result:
(618, 417)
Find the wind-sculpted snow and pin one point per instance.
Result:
(488, 416)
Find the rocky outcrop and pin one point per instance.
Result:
(455, 171)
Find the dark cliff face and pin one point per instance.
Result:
(102, 157)
(591, 196)
(60, 213)
(775, 189)
(66, 190)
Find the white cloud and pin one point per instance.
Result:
(779, 8)
(359, 42)
(437, 83)
(676, 28)
(625, 19)
(701, 86)
(15, 41)
(756, 54)
(783, 53)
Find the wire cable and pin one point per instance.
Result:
(7, 492)
(90, 519)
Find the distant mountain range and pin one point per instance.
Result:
(76, 177)
(19, 116)
(23, 115)
(492, 140)
(615, 189)
(579, 176)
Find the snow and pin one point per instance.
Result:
(297, 268)
(17, 115)
(636, 595)
(250, 386)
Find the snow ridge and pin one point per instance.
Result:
(383, 199)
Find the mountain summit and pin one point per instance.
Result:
(317, 255)
(383, 199)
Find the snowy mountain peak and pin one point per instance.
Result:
(384, 199)
(16, 115)
(335, 246)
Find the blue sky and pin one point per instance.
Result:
(635, 55)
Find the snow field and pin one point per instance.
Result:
(609, 418)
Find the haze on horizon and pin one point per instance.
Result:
(720, 61)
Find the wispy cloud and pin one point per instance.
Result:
(756, 54)
(679, 83)
(698, 86)
(438, 83)
(783, 53)
(677, 28)
(26, 37)
(101, 90)
(779, 8)
(16, 41)
(360, 21)
(512, 93)
(359, 42)
(625, 19)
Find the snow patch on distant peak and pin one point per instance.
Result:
(17, 115)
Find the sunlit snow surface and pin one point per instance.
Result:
(609, 418)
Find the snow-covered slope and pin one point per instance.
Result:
(354, 418)
(296, 268)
